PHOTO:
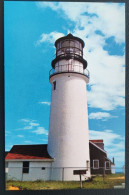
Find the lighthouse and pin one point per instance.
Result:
(68, 139)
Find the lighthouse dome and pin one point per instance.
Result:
(70, 36)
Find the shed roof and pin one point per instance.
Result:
(28, 152)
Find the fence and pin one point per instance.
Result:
(30, 173)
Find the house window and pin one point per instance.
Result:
(107, 165)
(25, 167)
(54, 85)
(43, 168)
(95, 164)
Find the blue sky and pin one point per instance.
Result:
(30, 32)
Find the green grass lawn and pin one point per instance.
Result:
(97, 183)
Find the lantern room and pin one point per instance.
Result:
(69, 45)
(69, 56)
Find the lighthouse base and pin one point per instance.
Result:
(67, 174)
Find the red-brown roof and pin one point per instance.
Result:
(95, 145)
(97, 141)
(28, 152)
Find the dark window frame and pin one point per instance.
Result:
(25, 168)
(54, 85)
(107, 167)
(94, 167)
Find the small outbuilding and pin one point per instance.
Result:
(28, 163)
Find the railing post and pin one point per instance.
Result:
(22, 176)
(103, 173)
(51, 173)
(63, 174)
(80, 181)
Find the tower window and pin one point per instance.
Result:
(25, 167)
(54, 85)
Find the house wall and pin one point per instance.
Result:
(113, 169)
(96, 154)
(14, 171)
(6, 167)
(6, 170)
(35, 171)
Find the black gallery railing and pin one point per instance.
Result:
(64, 68)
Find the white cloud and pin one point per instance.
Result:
(20, 135)
(108, 135)
(45, 141)
(51, 37)
(28, 141)
(100, 115)
(113, 142)
(52, 5)
(7, 133)
(25, 120)
(46, 103)
(29, 124)
(41, 130)
(107, 74)
(111, 24)
(8, 147)
(33, 126)
(107, 80)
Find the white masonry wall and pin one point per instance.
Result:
(14, 171)
(35, 171)
(113, 169)
(68, 140)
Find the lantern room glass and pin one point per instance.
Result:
(69, 47)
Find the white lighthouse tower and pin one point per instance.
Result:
(68, 140)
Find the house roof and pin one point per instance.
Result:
(97, 141)
(6, 152)
(70, 36)
(106, 158)
(97, 146)
(33, 152)
(28, 152)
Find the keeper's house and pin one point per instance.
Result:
(32, 162)
(99, 162)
